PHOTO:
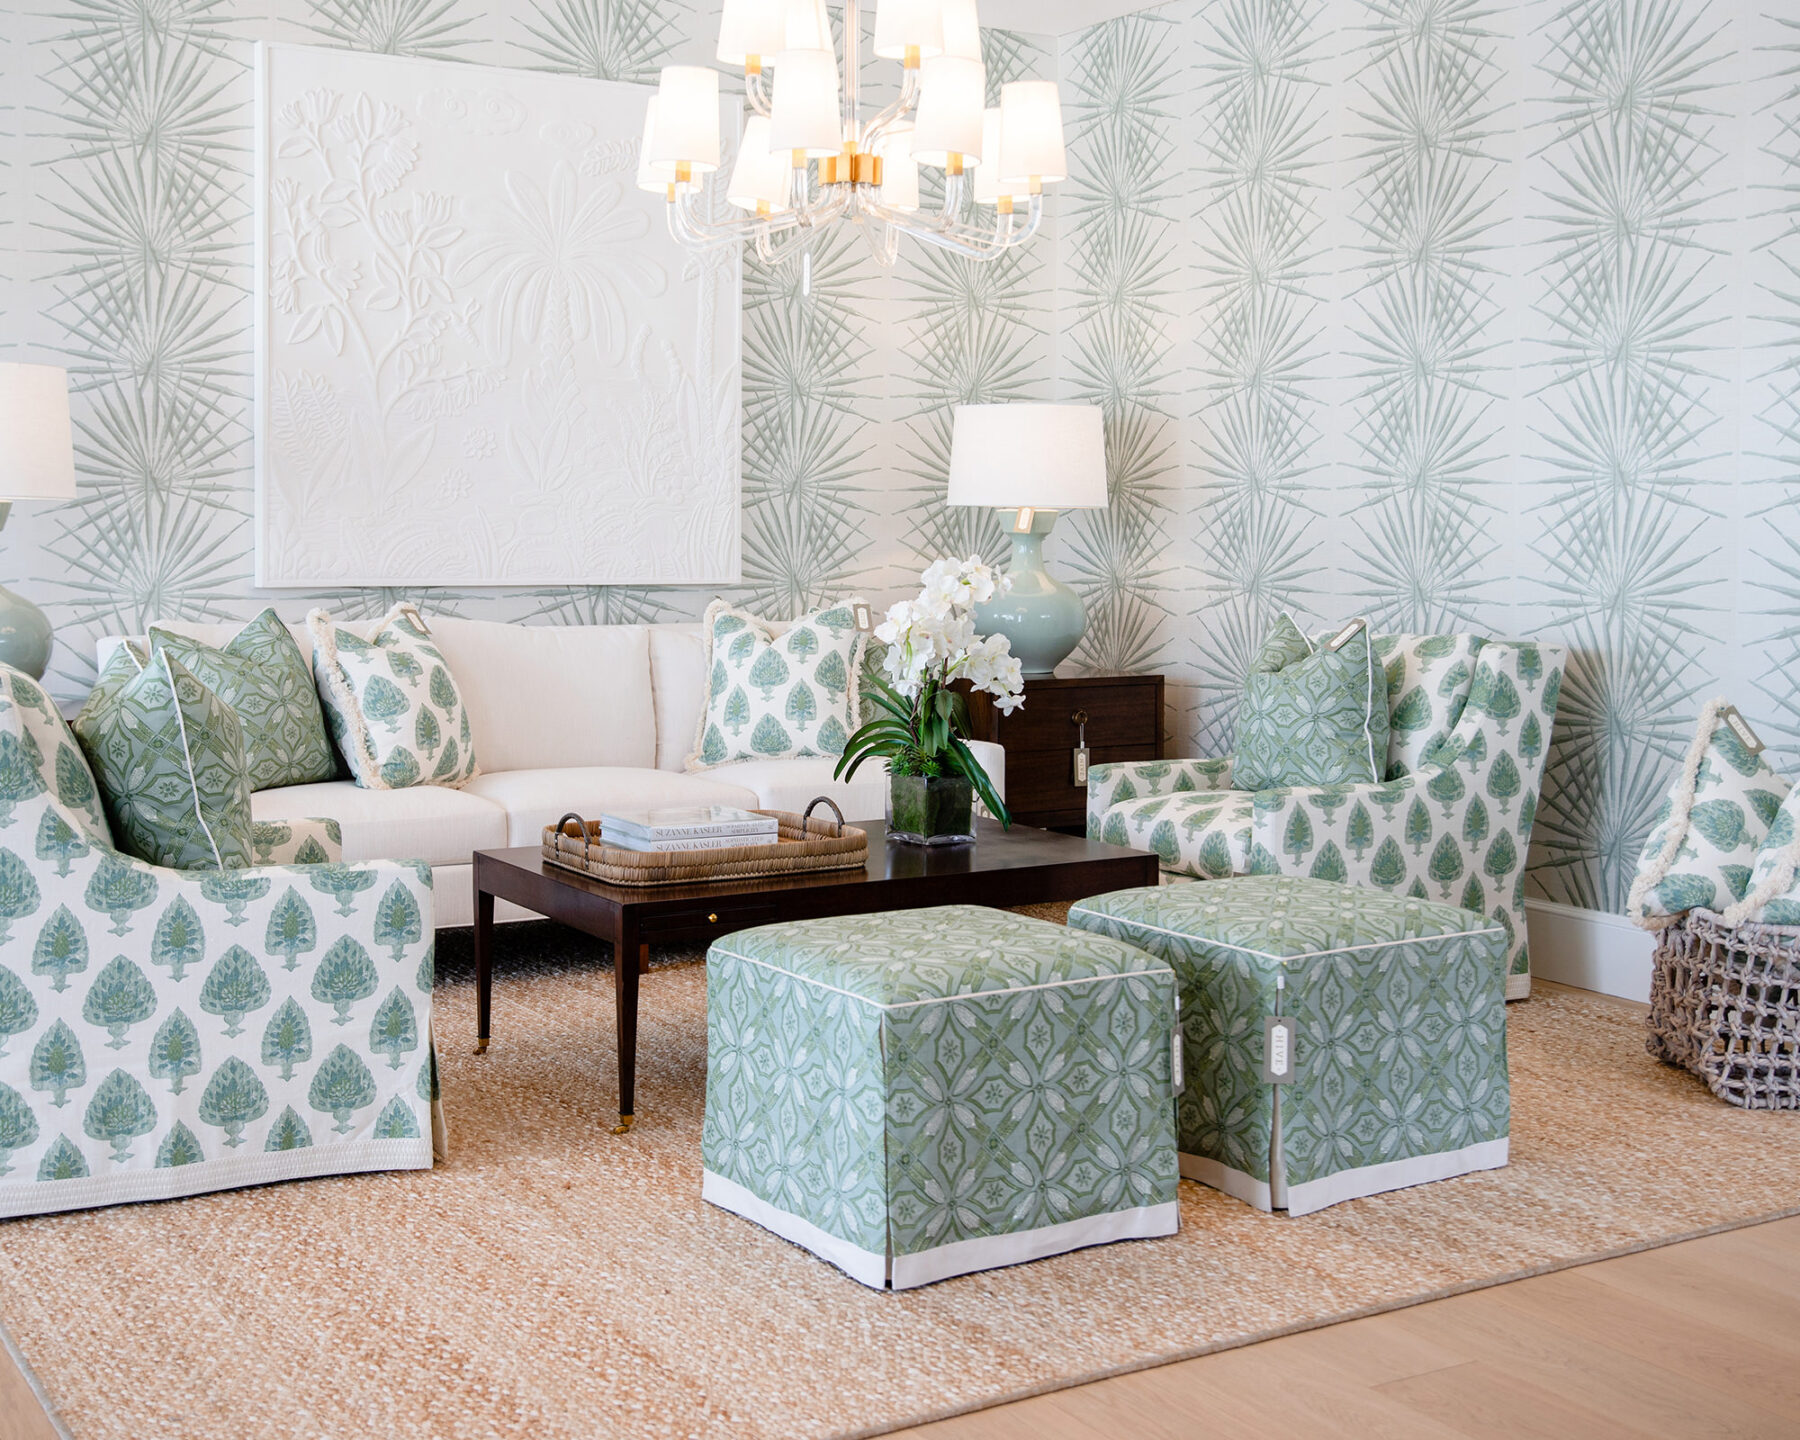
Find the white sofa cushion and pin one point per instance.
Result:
(792, 783)
(548, 696)
(532, 799)
(423, 822)
(678, 676)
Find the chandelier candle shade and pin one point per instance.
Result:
(1029, 462)
(37, 462)
(816, 158)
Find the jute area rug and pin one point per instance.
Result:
(553, 1281)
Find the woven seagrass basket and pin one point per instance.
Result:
(1725, 1004)
(806, 844)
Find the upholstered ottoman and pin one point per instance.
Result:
(1397, 1063)
(923, 1093)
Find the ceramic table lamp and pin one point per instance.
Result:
(1029, 462)
(37, 462)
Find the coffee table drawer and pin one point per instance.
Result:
(703, 919)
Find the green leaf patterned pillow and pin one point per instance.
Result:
(169, 758)
(1773, 894)
(392, 704)
(1311, 715)
(1704, 842)
(1428, 679)
(771, 696)
(261, 674)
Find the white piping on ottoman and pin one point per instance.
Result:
(1266, 955)
(959, 1257)
(718, 949)
(1680, 809)
(1351, 1184)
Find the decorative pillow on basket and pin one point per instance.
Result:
(1704, 842)
(261, 674)
(1773, 894)
(1312, 714)
(168, 756)
(391, 702)
(770, 696)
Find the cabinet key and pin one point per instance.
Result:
(1079, 768)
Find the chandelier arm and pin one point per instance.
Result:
(690, 229)
(977, 244)
(756, 89)
(893, 114)
(852, 67)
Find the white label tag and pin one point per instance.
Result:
(1346, 635)
(1740, 727)
(1278, 1050)
(1081, 765)
(1177, 1073)
(864, 616)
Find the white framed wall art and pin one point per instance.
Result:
(481, 358)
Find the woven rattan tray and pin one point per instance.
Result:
(806, 844)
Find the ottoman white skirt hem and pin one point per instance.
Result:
(941, 1262)
(1313, 1195)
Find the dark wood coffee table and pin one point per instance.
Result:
(1021, 866)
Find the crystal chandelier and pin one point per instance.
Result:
(808, 157)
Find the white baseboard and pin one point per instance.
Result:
(1590, 949)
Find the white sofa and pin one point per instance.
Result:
(585, 718)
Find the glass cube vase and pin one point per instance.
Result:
(931, 809)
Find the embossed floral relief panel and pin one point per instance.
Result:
(483, 359)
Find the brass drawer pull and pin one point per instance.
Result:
(712, 919)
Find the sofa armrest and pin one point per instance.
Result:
(297, 842)
(1112, 784)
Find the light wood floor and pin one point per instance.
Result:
(1699, 1340)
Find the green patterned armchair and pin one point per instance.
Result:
(168, 1032)
(1470, 724)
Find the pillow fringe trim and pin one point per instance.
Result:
(1680, 812)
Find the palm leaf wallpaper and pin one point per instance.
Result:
(1462, 314)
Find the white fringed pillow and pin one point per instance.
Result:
(1774, 894)
(391, 703)
(1704, 848)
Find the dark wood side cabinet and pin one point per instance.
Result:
(1124, 721)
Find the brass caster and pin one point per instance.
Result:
(481, 1046)
(623, 1125)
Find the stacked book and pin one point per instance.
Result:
(688, 827)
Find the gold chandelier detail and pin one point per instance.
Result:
(808, 158)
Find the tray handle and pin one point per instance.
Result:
(562, 830)
(819, 800)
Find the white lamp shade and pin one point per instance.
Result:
(803, 111)
(1051, 457)
(902, 25)
(687, 118)
(752, 27)
(899, 171)
(650, 174)
(37, 449)
(761, 176)
(988, 185)
(1031, 112)
(952, 92)
(962, 30)
(807, 26)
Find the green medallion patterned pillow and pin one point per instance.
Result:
(1311, 714)
(392, 704)
(1428, 678)
(169, 758)
(1704, 842)
(769, 696)
(261, 674)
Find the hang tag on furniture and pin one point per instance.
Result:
(1346, 635)
(1740, 727)
(1079, 769)
(865, 618)
(1278, 1050)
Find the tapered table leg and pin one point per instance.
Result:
(484, 966)
(630, 956)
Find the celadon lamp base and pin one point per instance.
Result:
(1042, 617)
(24, 629)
